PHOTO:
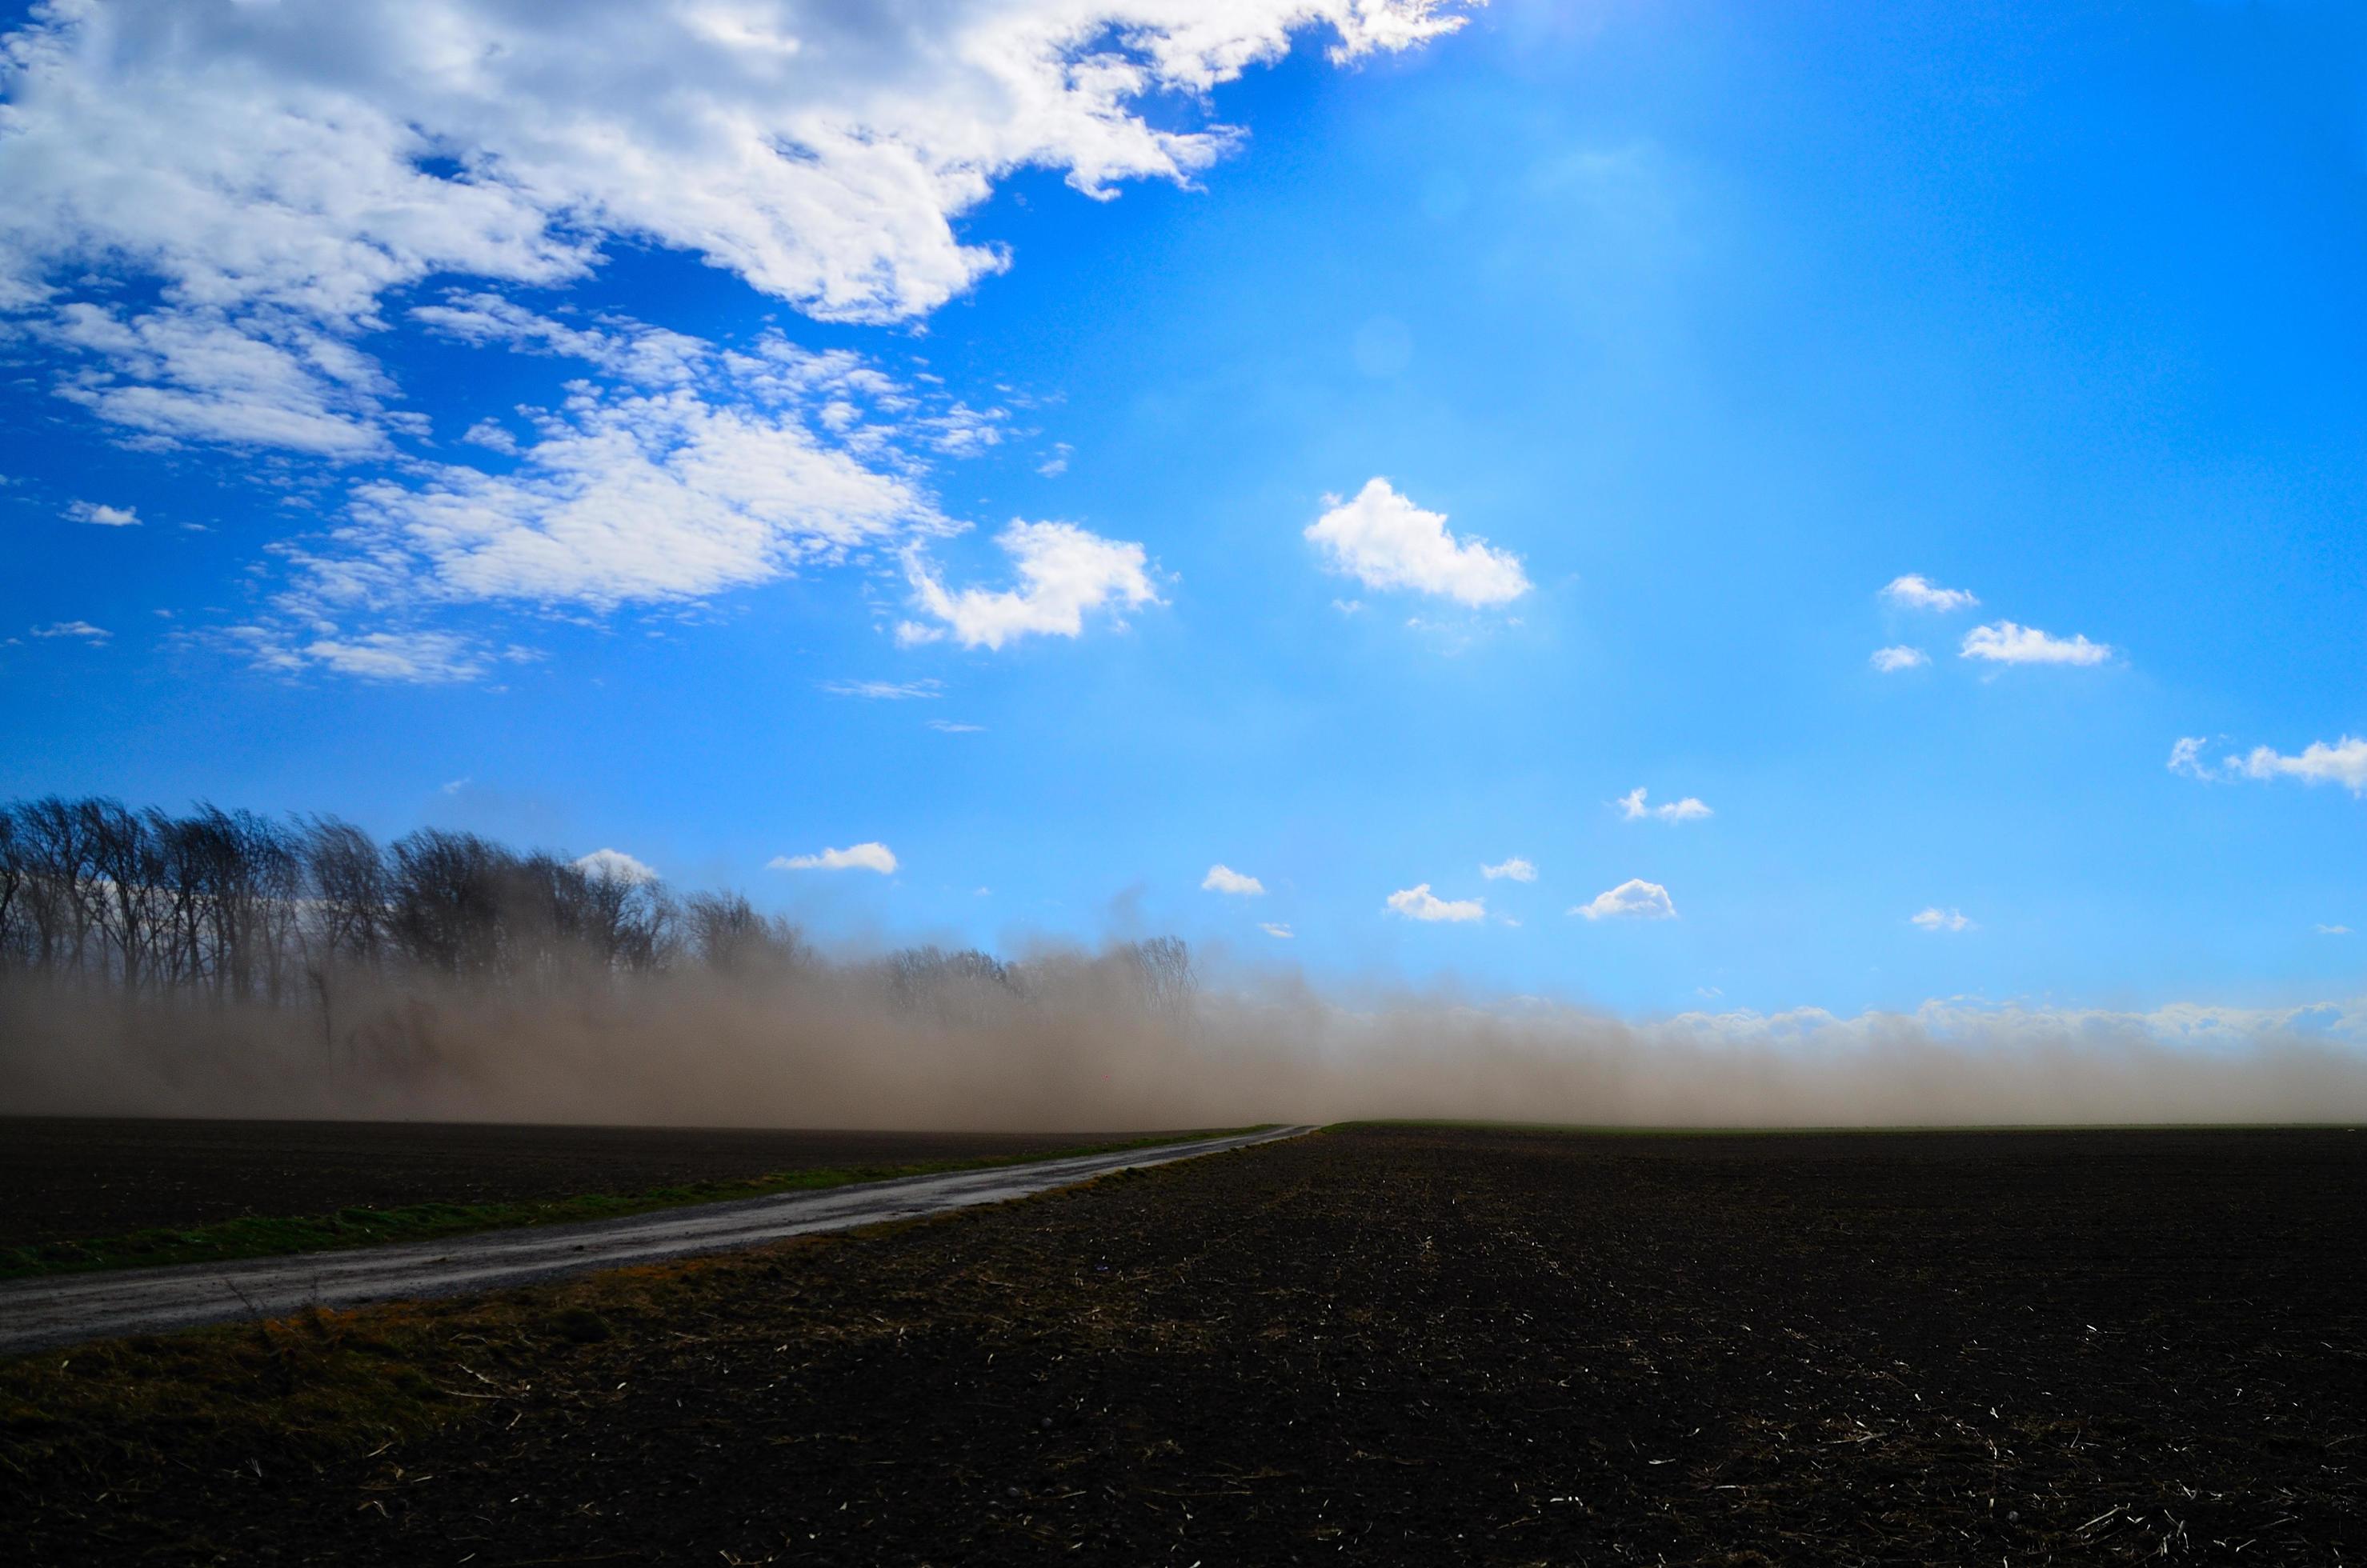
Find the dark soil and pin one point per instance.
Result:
(67, 1179)
(1389, 1344)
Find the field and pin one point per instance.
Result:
(1379, 1344)
(68, 1178)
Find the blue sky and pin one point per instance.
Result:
(1674, 331)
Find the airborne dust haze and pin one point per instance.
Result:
(1076, 1040)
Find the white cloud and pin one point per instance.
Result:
(1383, 540)
(1634, 898)
(103, 516)
(1053, 466)
(2003, 642)
(1223, 878)
(952, 727)
(1899, 657)
(2334, 930)
(1938, 920)
(2039, 1033)
(1912, 592)
(616, 865)
(1418, 903)
(1516, 868)
(631, 350)
(277, 158)
(1273, 928)
(267, 180)
(2344, 762)
(189, 372)
(632, 497)
(82, 630)
(493, 435)
(1064, 571)
(1632, 809)
(425, 657)
(854, 857)
(885, 691)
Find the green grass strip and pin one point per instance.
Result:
(256, 1236)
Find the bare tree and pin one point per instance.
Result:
(1162, 966)
(347, 883)
(446, 901)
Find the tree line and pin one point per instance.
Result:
(240, 907)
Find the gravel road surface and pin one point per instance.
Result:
(63, 1309)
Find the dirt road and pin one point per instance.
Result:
(62, 1310)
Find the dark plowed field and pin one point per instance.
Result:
(1403, 1346)
(65, 1178)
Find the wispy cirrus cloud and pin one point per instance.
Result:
(886, 691)
(80, 630)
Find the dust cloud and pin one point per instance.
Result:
(1069, 1039)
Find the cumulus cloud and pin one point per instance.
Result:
(1225, 879)
(493, 435)
(1418, 903)
(1516, 868)
(307, 157)
(213, 212)
(638, 496)
(1632, 899)
(1913, 591)
(82, 630)
(2002, 642)
(854, 857)
(1938, 920)
(616, 865)
(1064, 572)
(2343, 762)
(1275, 927)
(1897, 657)
(1632, 809)
(1383, 540)
(103, 516)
